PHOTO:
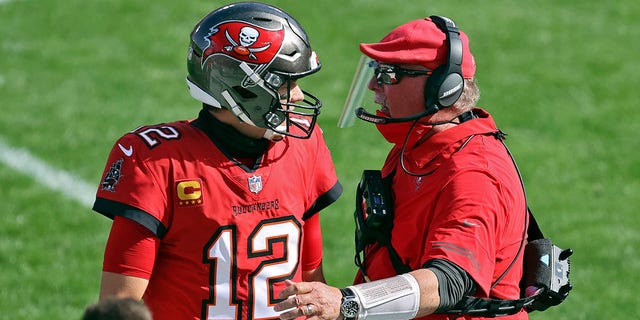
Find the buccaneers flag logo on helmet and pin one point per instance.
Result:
(244, 42)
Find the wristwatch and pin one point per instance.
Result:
(350, 306)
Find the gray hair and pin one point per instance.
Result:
(469, 97)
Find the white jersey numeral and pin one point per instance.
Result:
(150, 135)
(221, 253)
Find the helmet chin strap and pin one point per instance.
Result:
(237, 111)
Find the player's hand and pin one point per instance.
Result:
(314, 300)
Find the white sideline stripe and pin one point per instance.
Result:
(57, 180)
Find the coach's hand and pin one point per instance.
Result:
(315, 300)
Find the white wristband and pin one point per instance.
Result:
(395, 298)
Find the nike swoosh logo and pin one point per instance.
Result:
(127, 151)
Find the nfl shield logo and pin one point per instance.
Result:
(255, 184)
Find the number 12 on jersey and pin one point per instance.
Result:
(221, 253)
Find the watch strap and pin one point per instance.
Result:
(346, 292)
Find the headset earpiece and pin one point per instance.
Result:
(445, 85)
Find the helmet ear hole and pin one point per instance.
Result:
(244, 93)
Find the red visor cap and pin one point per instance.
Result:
(419, 42)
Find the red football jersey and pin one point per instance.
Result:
(230, 234)
(464, 203)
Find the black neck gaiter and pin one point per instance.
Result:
(230, 140)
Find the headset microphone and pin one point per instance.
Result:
(366, 116)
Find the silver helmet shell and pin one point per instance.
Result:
(240, 55)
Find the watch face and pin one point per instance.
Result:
(350, 309)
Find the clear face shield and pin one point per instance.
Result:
(359, 94)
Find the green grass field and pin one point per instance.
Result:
(558, 76)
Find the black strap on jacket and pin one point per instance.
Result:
(488, 307)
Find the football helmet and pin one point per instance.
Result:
(239, 57)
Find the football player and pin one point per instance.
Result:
(211, 215)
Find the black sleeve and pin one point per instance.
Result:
(110, 208)
(453, 282)
(324, 200)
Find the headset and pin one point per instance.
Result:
(445, 85)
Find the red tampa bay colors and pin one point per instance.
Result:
(173, 180)
(244, 41)
(463, 194)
